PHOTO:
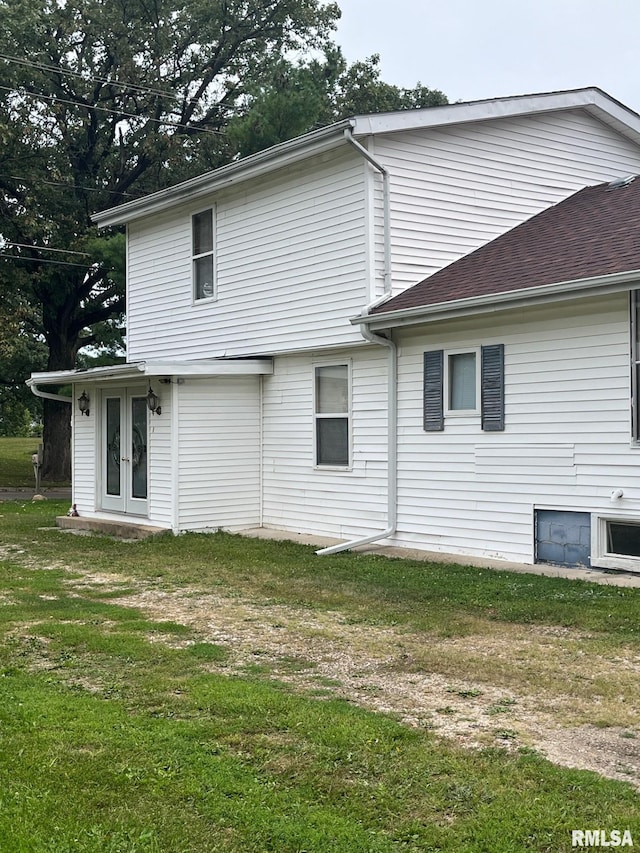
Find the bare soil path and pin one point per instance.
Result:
(522, 686)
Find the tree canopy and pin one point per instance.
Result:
(102, 101)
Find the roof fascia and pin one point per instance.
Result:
(219, 367)
(592, 99)
(493, 302)
(276, 157)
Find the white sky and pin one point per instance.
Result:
(474, 49)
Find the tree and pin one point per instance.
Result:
(292, 98)
(103, 101)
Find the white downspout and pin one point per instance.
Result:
(392, 448)
(392, 373)
(386, 207)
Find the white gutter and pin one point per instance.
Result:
(59, 398)
(253, 166)
(492, 302)
(386, 205)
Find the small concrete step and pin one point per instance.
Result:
(108, 527)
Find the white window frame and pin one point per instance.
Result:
(461, 413)
(634, 330)
(322, 415)
(601, 557)
(212, 253)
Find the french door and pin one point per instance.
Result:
(124, 462)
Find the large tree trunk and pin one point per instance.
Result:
(56, 437)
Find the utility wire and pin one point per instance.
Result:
(70, 186)
(47, 261)
(120, 113)
(45, 249)
(142, 90)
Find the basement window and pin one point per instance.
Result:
(617, 543)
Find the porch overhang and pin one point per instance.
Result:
(134, 370)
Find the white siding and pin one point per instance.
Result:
(291, 267)
(219, 454)
(296, 495)
(84, 453)
(566, 444)
(454, 189)
(159, 439)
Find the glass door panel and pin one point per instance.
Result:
(124, 451)
(139, 447)
(112, 446)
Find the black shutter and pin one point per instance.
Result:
(493, 388)
(433, 391)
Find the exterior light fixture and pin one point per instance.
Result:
(83, 404)
(153, 402)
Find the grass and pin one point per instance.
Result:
(119, 734)
(16, 468)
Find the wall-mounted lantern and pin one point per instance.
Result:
(83, 404)
(153, 402)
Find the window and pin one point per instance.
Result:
(616, 543)
(203, 251)
(461, 381)
(331, 415)
(464, 383)
(635, 365)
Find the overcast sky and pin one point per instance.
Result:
(473, 49)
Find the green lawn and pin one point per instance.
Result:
(16, 468)
(122, 734)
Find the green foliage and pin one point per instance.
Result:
(293, 98)
(16, 468)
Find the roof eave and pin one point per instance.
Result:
(277, 156)
(493, 302)
(593, 99)
(134, 370)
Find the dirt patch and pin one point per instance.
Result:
(386, 669)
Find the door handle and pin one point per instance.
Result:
(125, 459)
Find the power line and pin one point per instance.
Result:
(143, 90)
(120, 113)
(70, 186)
(46, 249)
(47, 261)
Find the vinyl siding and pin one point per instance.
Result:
(300, 497)
(291, 267)
(84, 473)
(454, 189)
(567, 438)
(219, 454)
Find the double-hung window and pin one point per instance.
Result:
(464, 382)
(332, 415)
(202, 231)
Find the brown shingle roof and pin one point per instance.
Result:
(594, 232)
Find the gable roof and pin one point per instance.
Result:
(592, 235)
(593, 100)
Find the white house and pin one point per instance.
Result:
(288, 382)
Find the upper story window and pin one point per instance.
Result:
(332, 415)
(202, 231)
